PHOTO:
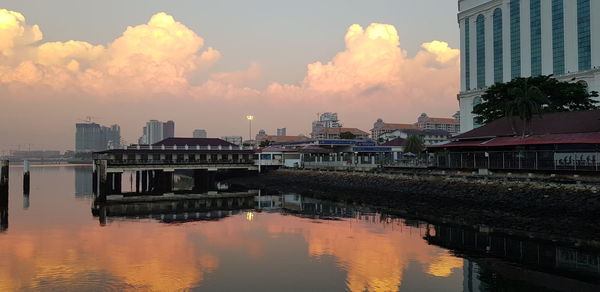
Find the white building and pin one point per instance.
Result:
(451, 125)
(281, 132)
(199, 133)
(430, 137)
(505, 39)
(326, 121)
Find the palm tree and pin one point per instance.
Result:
(414, 144)
(528, 101)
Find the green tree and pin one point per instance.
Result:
(528, 101)
(414, 144)
(559, 96)
(265, 143)
(347, 136)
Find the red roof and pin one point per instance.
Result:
(392, 127)
(573, 138)
(354, 131)
(442, 121)
(394, 142)
(281, 139)
(554, 123)
(169, 142)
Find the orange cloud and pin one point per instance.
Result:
(374, 66)
(155, 57)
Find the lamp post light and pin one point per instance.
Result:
(250, 118)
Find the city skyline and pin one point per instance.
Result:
(58, 75)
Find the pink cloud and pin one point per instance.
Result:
(149, 68)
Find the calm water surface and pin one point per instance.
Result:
(51, 241)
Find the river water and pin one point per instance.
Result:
(51, 241)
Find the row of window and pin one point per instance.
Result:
(558, 41)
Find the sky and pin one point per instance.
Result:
(208, 64)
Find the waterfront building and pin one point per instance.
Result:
(380, 128)
(450, 125)
(199, 133)
(555, 141)
(90, 137)
(334, 133)
(281, 132)
(505, 39)
(326, 121)
(236, 140)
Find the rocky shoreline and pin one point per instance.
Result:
(559, 212)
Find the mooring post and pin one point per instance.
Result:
(3, 195)
(103, 181)
(4, 175)
(26, 177)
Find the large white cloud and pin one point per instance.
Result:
(155, 57)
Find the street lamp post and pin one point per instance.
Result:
(250, 118)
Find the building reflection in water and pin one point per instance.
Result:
(83, 181)
(493, 256)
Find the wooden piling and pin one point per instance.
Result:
(4, 174)
(3, 195)
(103, 185)
(26, 177)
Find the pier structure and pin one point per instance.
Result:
(154, 165)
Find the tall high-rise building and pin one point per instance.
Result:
(326, 120)
(156, 131)
(90, 137)
(199, 133)
(505, 39)
(168, 129)
(281, 132)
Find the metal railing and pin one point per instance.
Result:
(520, 160)
(176, 161)
(185, 147)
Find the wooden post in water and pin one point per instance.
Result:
(4, 175)
(102, 181)
(3, 195)
(26, 177)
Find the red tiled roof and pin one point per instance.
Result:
(394, 142)
(276, 149)
(554, 123)
(279, 139)
(572, 138)
(442, 121)
(169, 142)
(392, 127)
(354, 131)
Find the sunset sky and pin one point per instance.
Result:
(208, 64)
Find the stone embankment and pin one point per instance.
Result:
(547, 208)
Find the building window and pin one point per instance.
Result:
(584, 35)
(536, 37)
(498, 50)
(515, 38)
(467, 54)
(480, 27)
(558, 37)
